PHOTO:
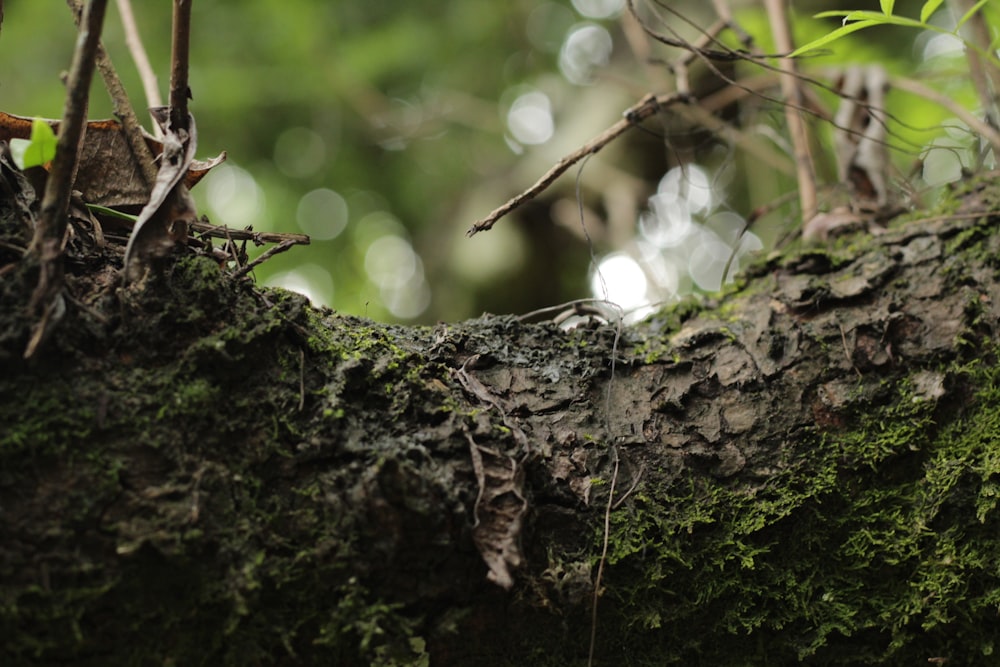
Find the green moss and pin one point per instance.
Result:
(876, 547)
(53, 428)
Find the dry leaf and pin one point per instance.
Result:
(164, 221)
(107, 174)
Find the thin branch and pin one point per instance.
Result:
(984, 129)
(122, 107)
(268, 254)
(648, 106)
(259, 238)
(55, 202)
(47, 243)
(682, 66)
(791, 88)
(180, 48)
(722, 54)
(150, 86)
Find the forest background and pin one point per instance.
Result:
(384, 129)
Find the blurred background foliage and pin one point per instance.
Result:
(384, 129)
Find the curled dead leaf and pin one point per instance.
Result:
(165, 219)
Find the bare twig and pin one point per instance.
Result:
(123, 109)
(268, 254)
(180, 49)
(682, 66)
(150, 85)
(47, 243)
(722, 54)
(984, 129)
(223, 232)
(648, 106)
(791, 88)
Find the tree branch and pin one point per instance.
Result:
(47, 243)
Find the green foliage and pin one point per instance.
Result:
(859, 20)
(36, 151)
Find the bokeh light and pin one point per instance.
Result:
(391, 262)
(599, 9)
(684, 243)
(587, 47)
(322, 214)
(547, 26)
(234, 196)
(310, 280)
(620, 279)
(530, 118)
(300, 152)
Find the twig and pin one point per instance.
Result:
(47, 242)
(683, 65)
(123, 109)
(698, 113)
(791, 88)
(223, 232)
(914, 87)
(722, 54)
(134, 42)
(264, 256)
(180, 47)
(648, 106)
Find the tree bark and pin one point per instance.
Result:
(804, 469)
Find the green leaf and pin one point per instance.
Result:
(38, 150)
(833, 36)
(851, 15)
(104, 210)
(928, 9)
(882, 19)
(969, 14)
(887, 6)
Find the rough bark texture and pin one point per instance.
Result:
(199, 472)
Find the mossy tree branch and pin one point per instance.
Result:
(806, 472)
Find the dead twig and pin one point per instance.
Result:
(47, 243)
(259, 238)
(133, 41)
(791, 88)
(266, 255)
(122, 107)
(180, 47)
(648, 106)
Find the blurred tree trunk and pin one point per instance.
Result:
(805, 469)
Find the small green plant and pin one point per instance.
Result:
(859, 20)
(36, 151)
